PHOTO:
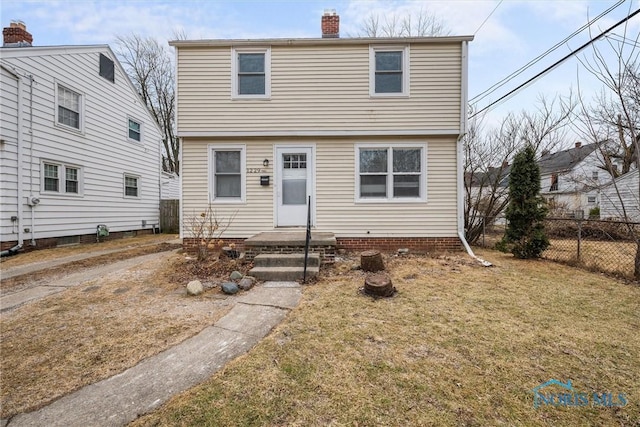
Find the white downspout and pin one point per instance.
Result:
(460, 152)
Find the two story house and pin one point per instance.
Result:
(368, 129)
(79, 151)
(571, 179)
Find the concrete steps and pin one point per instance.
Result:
(284, 267)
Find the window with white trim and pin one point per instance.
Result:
(69, 108)
(389, 71)
(251, 73)
(131, 185)
(594, 175)
(60, 178)
(227, 169)
(591, 200)
(135, 130)
(395, 173)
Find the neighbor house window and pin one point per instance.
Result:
(107, 69)
(251, 71)
(389, 71)
(594, 175)
(131, 186)
(61, 178)
(227, 165)
(69, 108)
(391, 173)
(135, 130)
(554, 182)
(591, 199)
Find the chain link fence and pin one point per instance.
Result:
(605, 246)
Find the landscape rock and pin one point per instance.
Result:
(195, 287)
(236, 275)
(230, 288)
(246, 283)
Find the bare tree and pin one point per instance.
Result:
(150, 67)
(487, 157)
(613, 119)
(419, 24)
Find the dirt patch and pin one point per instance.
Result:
(104, 326)
(32, 279)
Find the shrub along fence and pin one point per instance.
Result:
(605, 246)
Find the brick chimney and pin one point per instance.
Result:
(578, 144)
(330, 24)
(16, 35)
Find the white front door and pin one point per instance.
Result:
(294, 185)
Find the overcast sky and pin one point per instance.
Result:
(514, 34)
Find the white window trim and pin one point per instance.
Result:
(62, 179)
(267, 72)
(141, 130)
(124, 185)
(57, 84)
(212, 148)
(390, 198)
(406, 78)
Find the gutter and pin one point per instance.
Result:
(459, 153)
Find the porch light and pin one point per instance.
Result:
(265, 163)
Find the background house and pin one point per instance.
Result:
(78, 147)
(627, 193)
(570, 179)
(369, 128)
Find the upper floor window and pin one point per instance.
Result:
(61, 178)
(391, 173)
(389, 71)
(251, 71)
(107, 69)
(69, 108)
(594, 175)
(554, 182)
(135, 130)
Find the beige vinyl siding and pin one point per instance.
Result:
(319, 88)
(336, 208)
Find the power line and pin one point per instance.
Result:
(487, 18)
(546, 70)
(516, 73)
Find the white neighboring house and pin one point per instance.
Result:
(570, 179)
(629, 190)
(78, 146)
(169, 186)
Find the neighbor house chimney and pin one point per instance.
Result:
(330, 24)
(578, 144)
(16, 35)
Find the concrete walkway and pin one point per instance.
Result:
(120, 399)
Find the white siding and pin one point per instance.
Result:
(8, 155)
(169, 186)
(319, 88)
(102, 150)
(629, 189)
(336, 208)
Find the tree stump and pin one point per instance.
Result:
(371, 261)
(378, 285)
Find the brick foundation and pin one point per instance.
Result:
(415, 244)
(52, 242)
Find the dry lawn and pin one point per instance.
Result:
(616, 258)
(458, 345)
(98, 329)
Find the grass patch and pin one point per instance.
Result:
(100, 328)
(458, 345)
